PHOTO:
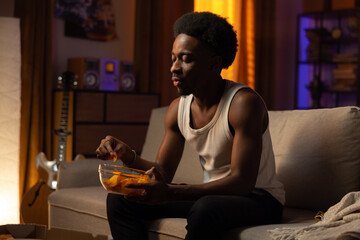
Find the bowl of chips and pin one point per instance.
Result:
(114, 178)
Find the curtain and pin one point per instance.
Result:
(153, 44)
(264, 49)
(240, 14)
(254, 22)
(36, 86)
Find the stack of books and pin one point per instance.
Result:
(345, 57)
(315, 50)
(345, 75)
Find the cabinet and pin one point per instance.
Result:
(327, 59)
(95, 114)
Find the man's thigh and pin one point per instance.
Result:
(236, 211)
(231, 211)
(148, 212)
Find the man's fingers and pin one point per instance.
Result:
(158, 175)
(102, 153)
(137, 198)
(108, 146)
(105, 151)
(150, 171)
(138, 185)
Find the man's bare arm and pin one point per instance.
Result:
(172, 146)
(170, 150)
(169, 153)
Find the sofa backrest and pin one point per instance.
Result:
(79, 173)
(317, 154)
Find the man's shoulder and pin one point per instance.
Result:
(247, 99)
(248, 105)
(232, 88)
(246, 95)
(242, 96)
(172, 115)
(175, 103)
(173, 107)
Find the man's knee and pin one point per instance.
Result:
(204, 211)
(203, 219)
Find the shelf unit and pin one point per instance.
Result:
(327, 59)
(95, 114)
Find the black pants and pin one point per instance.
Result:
(207, 218)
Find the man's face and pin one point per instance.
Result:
(190, 64)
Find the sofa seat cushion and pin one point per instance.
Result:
(257, 232)
(90, 200)
(81, 209)
(174, 228)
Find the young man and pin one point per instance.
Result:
(226, 123)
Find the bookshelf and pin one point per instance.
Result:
(327, 59)
(95, 114)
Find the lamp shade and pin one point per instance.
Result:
(10, 90)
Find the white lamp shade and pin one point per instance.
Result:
(10, 90)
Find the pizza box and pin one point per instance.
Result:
(23, 231)
(61, 234)
(40, 232)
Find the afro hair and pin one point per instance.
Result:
(212, 30)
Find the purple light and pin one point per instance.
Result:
(304, 69)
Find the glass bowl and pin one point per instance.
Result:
(114, 178)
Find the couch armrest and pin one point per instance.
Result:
(79, 173)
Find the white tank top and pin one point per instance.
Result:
(213, 143)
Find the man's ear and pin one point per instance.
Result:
(215, 62)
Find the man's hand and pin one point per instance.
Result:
(110, 145)
(156, 191)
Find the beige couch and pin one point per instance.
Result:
(317, 155)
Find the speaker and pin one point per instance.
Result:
(127, 78)
(87, 72)
(109, 72)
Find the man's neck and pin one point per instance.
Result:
(211, 95)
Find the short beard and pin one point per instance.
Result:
(183, 93)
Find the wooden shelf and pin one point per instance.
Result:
(320, 43)
(96, 114)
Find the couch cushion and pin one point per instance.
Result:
(79, 173)
(90, 200)
(317, 154)
(174, 228)
(81, 209)
(257, 232)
